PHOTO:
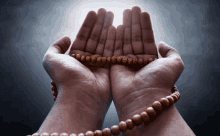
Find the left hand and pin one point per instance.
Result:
(88, 84)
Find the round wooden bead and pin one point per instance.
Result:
(177, 92)
(174, 89)
(52, 83)
(115, 130)
(157, 106)
(130, 61)
(123, 126)
(109, 60)
(124, 60)
(137, 120)
(93, 59)
(151, 112)
(171, 100)
(81, 134)
(134, 61)
(89, 133)
(145, 116)
(53, 88)
(106, 132)
(36, 134)
(55, 93)
(98, 133)
(104, 59)
(174, 97)
(83, 58)
(130, 124)
(73, 134)
(114, 59)
(119, 60)
(178, 95)
(64, 134)
(73, 55)
(140, 61)
(150, 60)
(99, 59)
(54, 134)
(145, 61)
(88, 58)
(78, 56)
(45, 134)
(165, 102)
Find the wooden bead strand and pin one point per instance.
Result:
(113, 59)
(129, 124)
(104, 60)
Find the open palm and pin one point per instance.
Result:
(131, 84)
(91, 83)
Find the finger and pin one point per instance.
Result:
(148, 35)
(118, 49)
(127, 48)
(110, 41)
(137, 43)
(84, 32)
(60, 47)
(167, 51)
(108, 22)
(176, 63)
(96, 31)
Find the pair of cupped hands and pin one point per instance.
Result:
(96, 86)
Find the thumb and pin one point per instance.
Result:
(61, 46)
(167, 51)
(176, 63)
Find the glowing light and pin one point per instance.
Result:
(78, 10)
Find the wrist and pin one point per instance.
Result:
(71, 118)
(138, 102)
(73, 108)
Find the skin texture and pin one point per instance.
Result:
(83, 89)
(135, 88)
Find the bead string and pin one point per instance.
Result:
(114, 60)
(102, 60)
(145, 117)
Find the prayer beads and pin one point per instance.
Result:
(129, 124)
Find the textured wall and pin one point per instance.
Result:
(29, 27)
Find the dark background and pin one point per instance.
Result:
(29, 27)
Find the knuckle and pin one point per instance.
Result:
(102, 41)
(127, 41)
(136, 38)
(94, 37)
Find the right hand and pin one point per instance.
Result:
(135, 88)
